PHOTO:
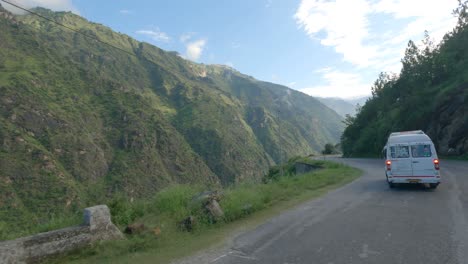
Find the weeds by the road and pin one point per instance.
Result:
(164, 239)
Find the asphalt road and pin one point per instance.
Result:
(363, 222)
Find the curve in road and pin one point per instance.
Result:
(364, 222)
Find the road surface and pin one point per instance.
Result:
(363, 222)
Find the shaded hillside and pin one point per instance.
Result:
(81, 121)
(340, 106)
(431, 93)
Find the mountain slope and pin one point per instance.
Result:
(431, 93)
(340, 106)
(81, 122)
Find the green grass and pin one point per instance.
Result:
(464, 157)
(245, 206)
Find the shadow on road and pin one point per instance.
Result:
(408, 187)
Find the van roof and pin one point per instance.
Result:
(413, 132)
(408, 137)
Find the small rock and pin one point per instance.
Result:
(49, 166)
(7, 100)
(187, 224)
(247, 209)
(157, 231)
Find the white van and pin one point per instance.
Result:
(410, 157)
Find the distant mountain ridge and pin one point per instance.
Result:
(343, 106)
(82, 122)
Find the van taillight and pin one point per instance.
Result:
(389, 164)
(436, 164)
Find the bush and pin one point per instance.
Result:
(125, 212)
(329, 149)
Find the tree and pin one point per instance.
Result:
(411, 58)
(461, 13)
(329, 149)
(349, 120)
(384, 80)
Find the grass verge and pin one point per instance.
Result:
(245, 206)
(464, 157)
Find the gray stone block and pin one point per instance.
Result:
(97, 226)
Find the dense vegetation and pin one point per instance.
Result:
(81, 121)
(430, 93)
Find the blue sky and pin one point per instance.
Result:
(323, 48)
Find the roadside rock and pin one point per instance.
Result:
(187, 224)
(209, 202)
(247, 208)
(204, 197)
(214, 210)
(98, 219)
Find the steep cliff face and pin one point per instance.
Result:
(81, 121)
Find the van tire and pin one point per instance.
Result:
(433, 185)
(390, 184)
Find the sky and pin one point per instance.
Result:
(322, 48)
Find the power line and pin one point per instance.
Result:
(67, 27)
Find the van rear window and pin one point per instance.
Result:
(398, 152)
(418, 151)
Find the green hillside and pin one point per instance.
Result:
(341, 106)
(82, 122)
(430, 93)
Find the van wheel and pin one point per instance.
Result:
(390, 184)
(433, 185)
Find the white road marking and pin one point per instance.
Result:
(218, 258)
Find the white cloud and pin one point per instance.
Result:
(433, 16)
(344, 24)
(347, 27)
(194, 49)
(339, 84)
(371, 35)
(186, 36)
(55, 5)
(155, 35)
(291, 84)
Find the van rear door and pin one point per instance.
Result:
(401, 161)
(423, 159)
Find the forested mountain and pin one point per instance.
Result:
(81, 121)
(430, 93)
